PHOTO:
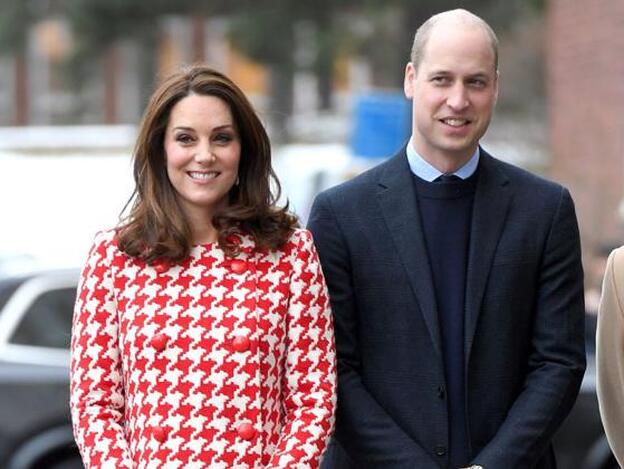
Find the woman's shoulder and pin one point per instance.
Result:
(614, 273)
(618, 255)
(105, 243)
(106, 237)
(300, 237)
(615, 263)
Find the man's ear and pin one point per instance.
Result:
(496, 87)
(408, 82)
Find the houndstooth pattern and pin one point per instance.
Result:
(212, 362)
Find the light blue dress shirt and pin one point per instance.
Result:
(426, 171)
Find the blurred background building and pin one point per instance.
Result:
(585, 40)
(326, 78)
(75, 76)
(330, 72)
(96, 61)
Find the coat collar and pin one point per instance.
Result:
(399, 206)
(491, 205)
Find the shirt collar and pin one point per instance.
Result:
(426, 171)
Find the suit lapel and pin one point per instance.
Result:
(491, 203)
(399, 207)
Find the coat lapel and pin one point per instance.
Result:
(491, 204)
(399, 207)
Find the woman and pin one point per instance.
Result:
(202, 331)
(610, 353)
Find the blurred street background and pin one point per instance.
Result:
(326, 77)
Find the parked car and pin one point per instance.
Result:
(35, 323)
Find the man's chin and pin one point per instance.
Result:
(459, 150)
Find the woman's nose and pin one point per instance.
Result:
(204, 154)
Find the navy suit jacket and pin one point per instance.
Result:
(524, 320)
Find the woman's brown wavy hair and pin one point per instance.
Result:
(156, 227)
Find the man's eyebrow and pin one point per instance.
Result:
(439, 72)
(480, 75)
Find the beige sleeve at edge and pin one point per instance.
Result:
(610, 354)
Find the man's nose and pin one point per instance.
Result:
(458, 97)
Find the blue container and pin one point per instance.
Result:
(382, 124)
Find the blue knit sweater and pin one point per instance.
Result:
(446, 213)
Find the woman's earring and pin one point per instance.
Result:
(237, 181)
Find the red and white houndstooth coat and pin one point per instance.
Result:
(214, 362)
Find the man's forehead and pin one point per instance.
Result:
(457, 18)
(469, 47)
(443, 31)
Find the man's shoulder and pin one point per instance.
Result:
(524, 180)
(363, 183)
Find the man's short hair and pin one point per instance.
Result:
(424, 31)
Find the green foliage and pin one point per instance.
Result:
(537, 5)
(15, 18)
(96, 23)
(265, 31)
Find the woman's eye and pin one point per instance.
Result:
(184, 138)
(223, 138)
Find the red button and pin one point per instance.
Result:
(238, 266)
(159, 341)
(233, 239)
(246, 431)
(160, 265)
(160, 434)
(240, 343)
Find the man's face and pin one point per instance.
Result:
(454, 91)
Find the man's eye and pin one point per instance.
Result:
(478, 83)
(440, 80)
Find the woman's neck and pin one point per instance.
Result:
(202, 229)
(204, 236)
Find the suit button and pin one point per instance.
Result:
(160, 434)
(246, 431)
(238, 266)
(159, 341)
(240, 343)
(440, 450)
(441, 392)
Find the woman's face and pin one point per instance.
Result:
(202, 149)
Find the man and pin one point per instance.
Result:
(458, 304)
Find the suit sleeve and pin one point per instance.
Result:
(364, 429)
(557, 356)
(310, 375)
(610, 354)
(96, 389)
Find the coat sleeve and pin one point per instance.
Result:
(309, 386)
(556, 362)
(364, 429)
(96, 388)
(610, 354)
